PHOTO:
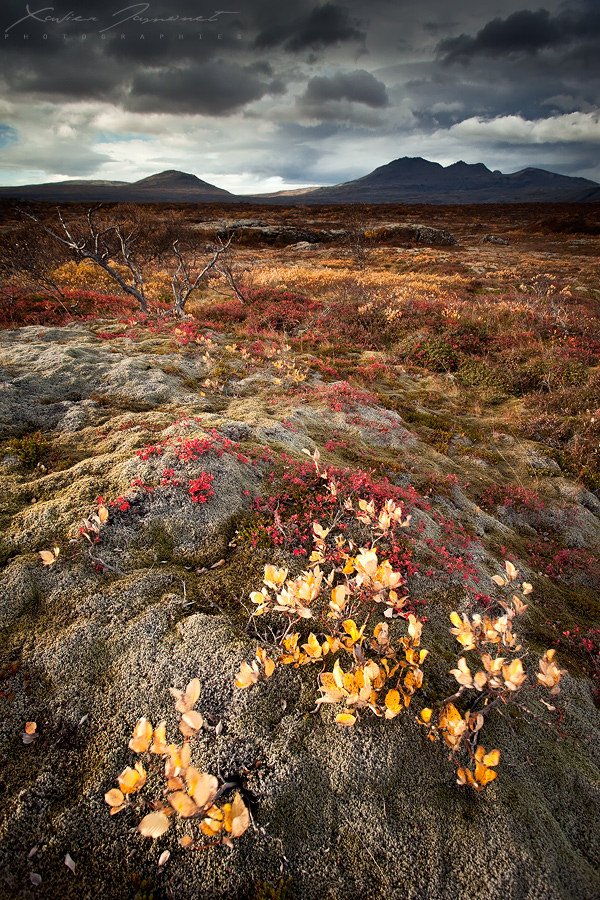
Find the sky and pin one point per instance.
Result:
(266, 95)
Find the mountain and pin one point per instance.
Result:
(165, 187)
(406, 180)
(416, 180)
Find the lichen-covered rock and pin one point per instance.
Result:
(158, 594)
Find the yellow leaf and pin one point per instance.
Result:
(345, 719)
(520, 607)
(185, 841)
(351, 630)
(338, 597)
(414, 629)
(513, 675)
(510, 570)
(497, 579)
(426, 714)
(102, 514)
(392, 701)
(274, 577)
(159, 740)
(30, 727)
(153, 825)
(337, 675)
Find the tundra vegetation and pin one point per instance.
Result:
(299, 548)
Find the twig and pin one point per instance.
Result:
(98, 561)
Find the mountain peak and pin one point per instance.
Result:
(171, 178)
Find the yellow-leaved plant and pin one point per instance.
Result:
(381, 675)
(188, 793)
(501, 679)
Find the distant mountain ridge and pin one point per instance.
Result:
(170, 186)
(417, 180)
(410, 180)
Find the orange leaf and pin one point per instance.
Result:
(492, 758)
(240, 816)
(246, 676)
(49, 557)
(188, 698)
(193, 719)
(269, 667)
(114, 797)
(142, 735)
(183, 804)
(201, 786)
(129, 780)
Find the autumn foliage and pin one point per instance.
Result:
(363, 670)
(188, 793)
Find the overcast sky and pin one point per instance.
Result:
(269, 94)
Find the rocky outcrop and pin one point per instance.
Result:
(252, 231)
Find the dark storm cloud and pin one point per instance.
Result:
(216, 88)
(357, 87)
(79, 74)
(111, 52)
(523, 32)
(322, 27)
